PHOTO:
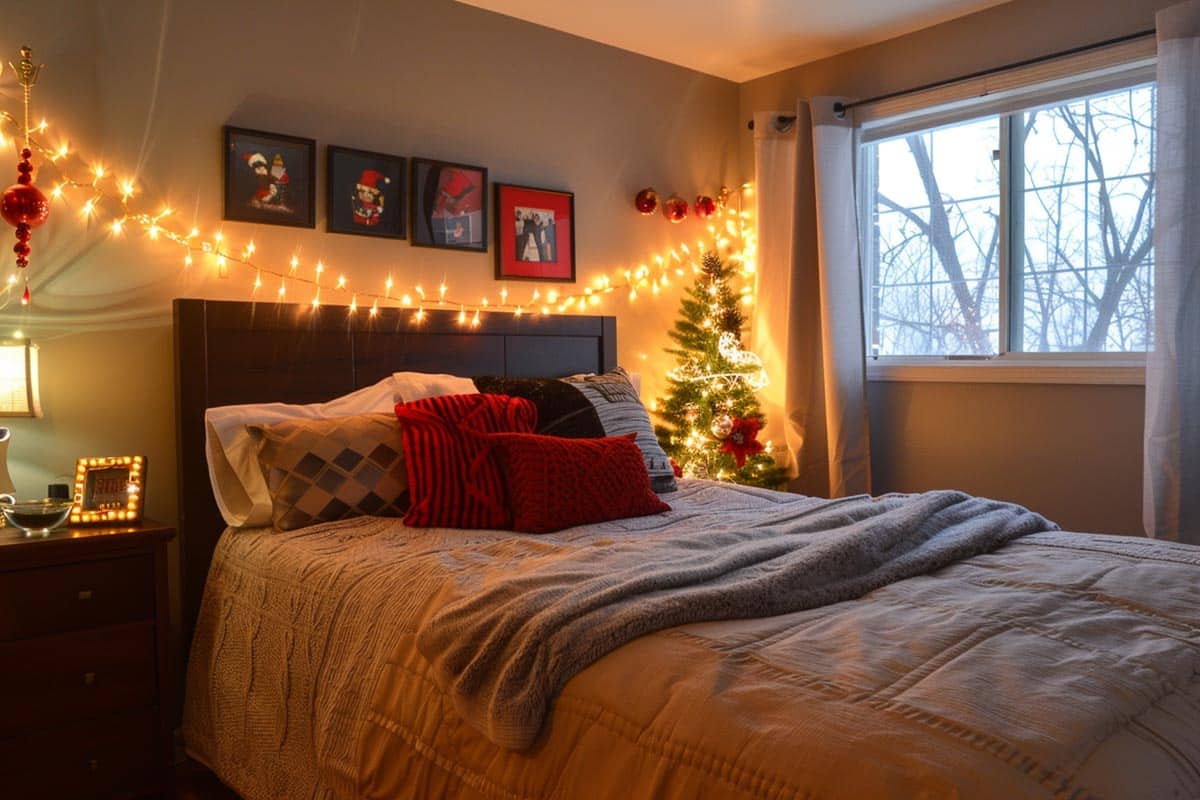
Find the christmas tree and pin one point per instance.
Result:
(711, 415)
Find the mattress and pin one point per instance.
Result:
(1060, 665)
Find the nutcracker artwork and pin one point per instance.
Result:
(271, 183)
(368, 198)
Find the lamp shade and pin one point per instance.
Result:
(6, 484)
(19, 379)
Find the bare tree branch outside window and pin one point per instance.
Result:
(1082, 268)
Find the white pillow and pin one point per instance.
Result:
(239, 485)
(412, 386)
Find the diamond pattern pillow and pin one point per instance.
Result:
(321, 470)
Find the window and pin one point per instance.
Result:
(1026, 232)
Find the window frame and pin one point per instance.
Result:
(1008, 365)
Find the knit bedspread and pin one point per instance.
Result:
(1057, 665)
(516, 634)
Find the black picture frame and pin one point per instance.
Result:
(367, 193)
(270, 178)
(437, 185)
(543, 252)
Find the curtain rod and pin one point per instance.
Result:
(841, 108)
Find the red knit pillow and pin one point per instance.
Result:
(555, 483)
(453, 480)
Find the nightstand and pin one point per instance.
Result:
(84, 681)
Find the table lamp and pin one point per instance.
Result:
(18, 397)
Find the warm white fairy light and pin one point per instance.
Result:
(732, 229)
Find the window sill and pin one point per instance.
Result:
(1122, 371)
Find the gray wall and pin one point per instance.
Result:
(1072, 452)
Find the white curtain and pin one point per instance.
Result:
(1172, 460)
(808, 324)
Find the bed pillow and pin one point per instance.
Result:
(591, 407)
(553, 483)
(453, 479)
(239, 485)
(321, 470)
(412, 386)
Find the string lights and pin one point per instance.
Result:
(111, 199)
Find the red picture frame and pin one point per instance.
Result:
(535, 232)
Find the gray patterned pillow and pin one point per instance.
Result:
(588, 407)
(320, 470)
(621, 411)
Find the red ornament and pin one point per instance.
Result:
(675, 209)
(678, 470)
(743, 440)
(646, 201)
(705, 206)
(23, 206)
(25, 297)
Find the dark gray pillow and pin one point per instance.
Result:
(589, 407)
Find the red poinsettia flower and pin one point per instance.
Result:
(678, 470)
(743, 440)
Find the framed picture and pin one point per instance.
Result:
(536, 233)
(367, 192)
(270, 178)
(109, 489)
(449, 205)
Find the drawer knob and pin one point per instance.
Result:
(89, 678)
(94, 765)
(85, 594)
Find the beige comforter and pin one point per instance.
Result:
(1062, 665)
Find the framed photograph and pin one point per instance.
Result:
(367, 192)
(535, 229)
(270, 178)
(109, 489)
(449, 205)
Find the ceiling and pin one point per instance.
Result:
(736, 39)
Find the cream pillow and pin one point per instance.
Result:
(239, 486)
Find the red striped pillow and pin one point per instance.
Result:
(453, 480)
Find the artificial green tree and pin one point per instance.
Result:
(711, 417)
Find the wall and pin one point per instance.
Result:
(1072, 452)
(146, 86)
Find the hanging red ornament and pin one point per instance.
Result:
(23, 205)
(675, 209)
(705, 206)
(646, 201)
(743, 440)
(25, 297)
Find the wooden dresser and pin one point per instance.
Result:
(84, 680)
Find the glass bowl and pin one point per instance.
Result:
(37, 517)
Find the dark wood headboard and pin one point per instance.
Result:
(228, 353)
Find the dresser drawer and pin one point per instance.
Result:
(67, 677)
(72, 596)
(110, 757)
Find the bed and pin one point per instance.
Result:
(1058, 665)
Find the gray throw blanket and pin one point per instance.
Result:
(504, 652)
